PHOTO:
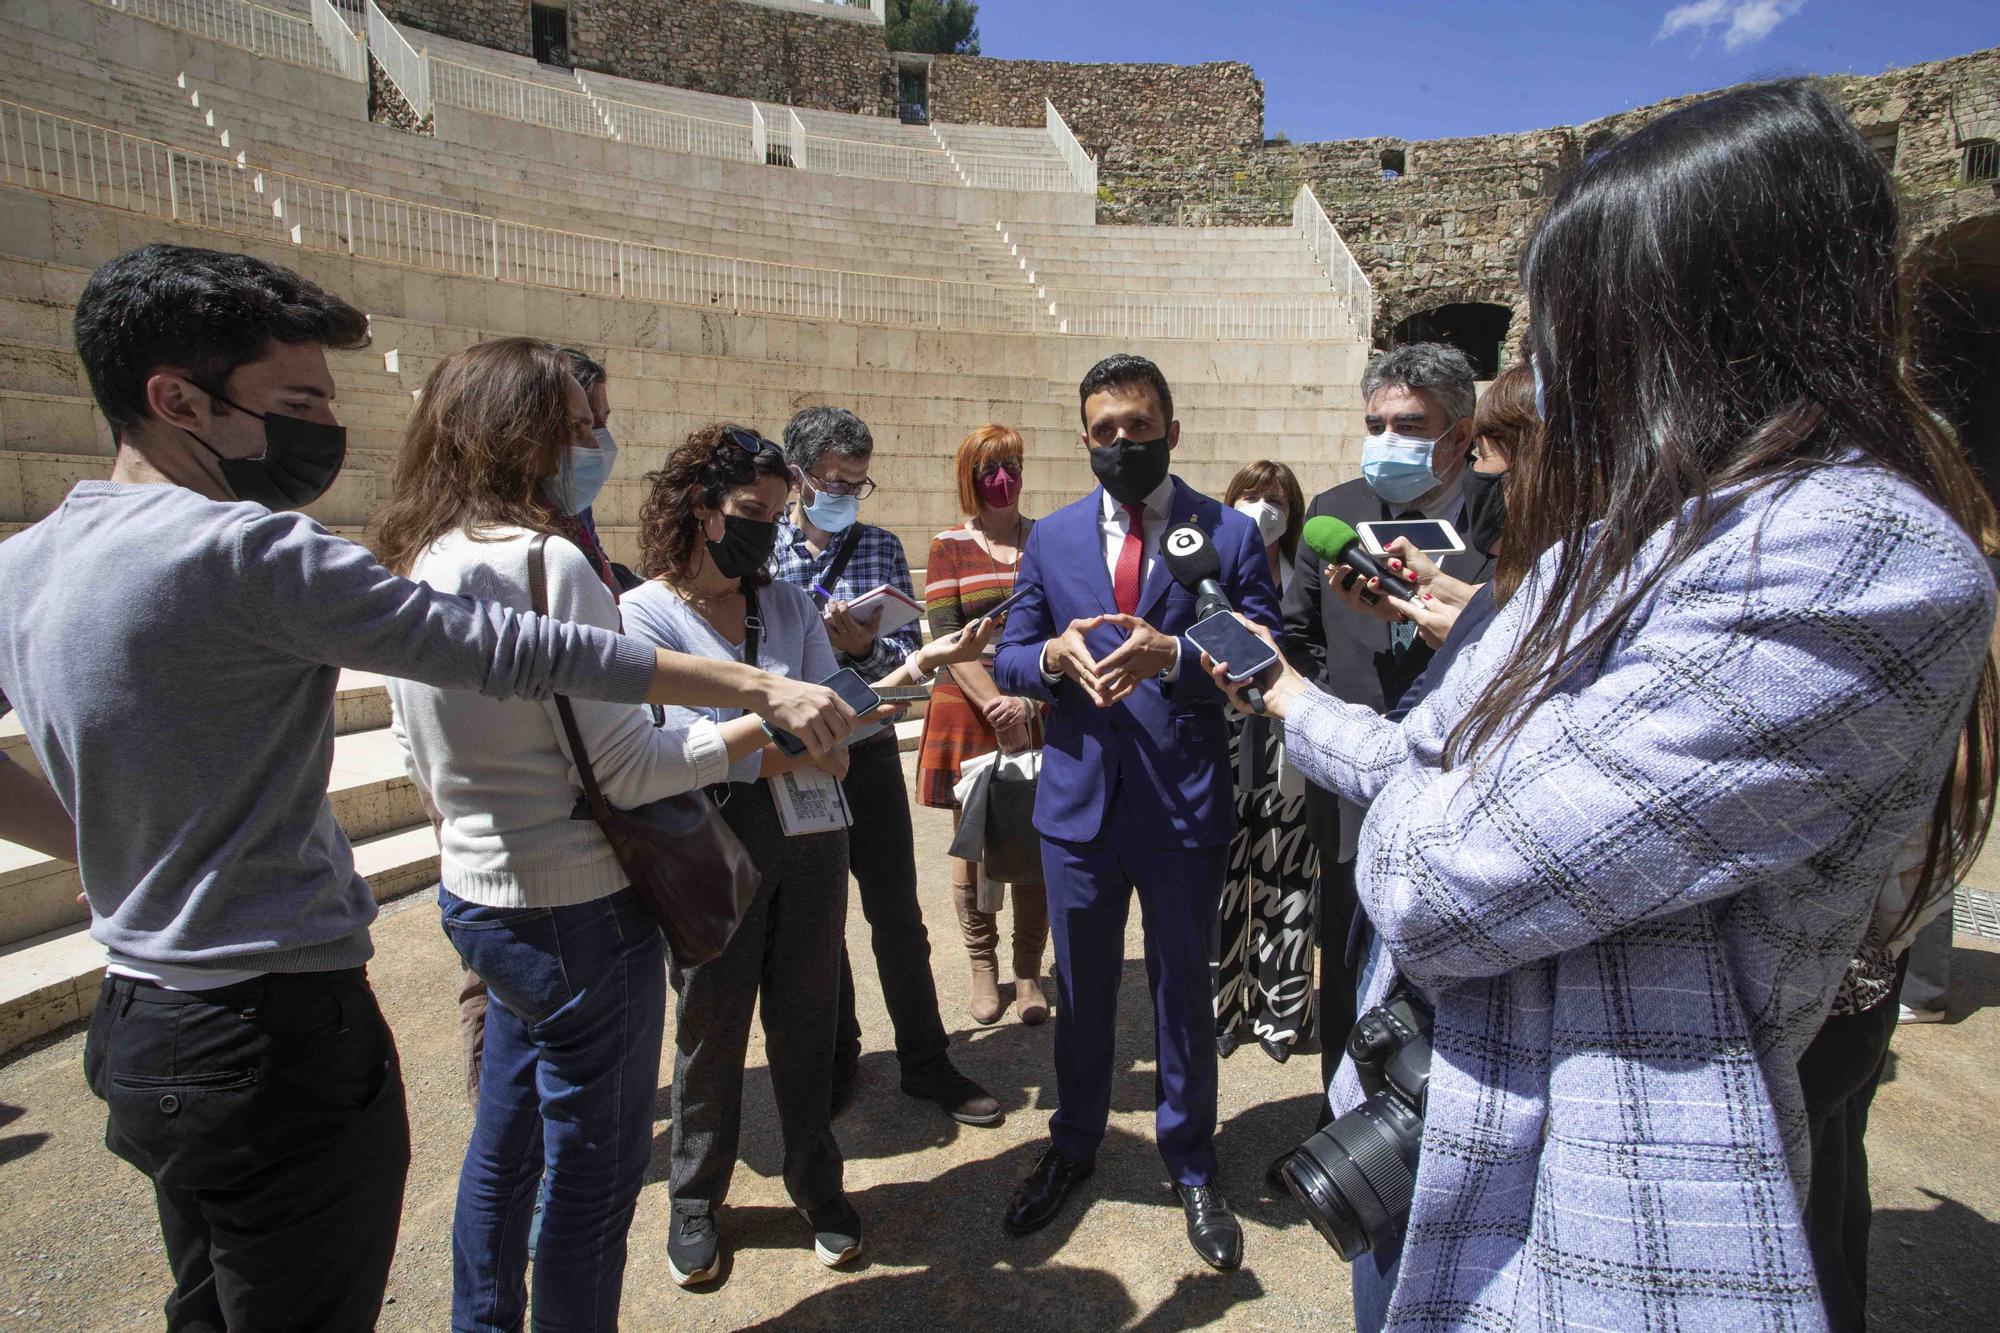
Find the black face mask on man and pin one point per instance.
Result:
(745, 547)
(300, 460)
(1131, 470)
(1485, 509)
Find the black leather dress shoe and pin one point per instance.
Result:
(1212, 1229)
(1039, 1196)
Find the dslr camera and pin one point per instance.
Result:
(1355, 1178)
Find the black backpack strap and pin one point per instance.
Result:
(538, 598)
(843, 550)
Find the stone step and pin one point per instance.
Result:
(51, 979)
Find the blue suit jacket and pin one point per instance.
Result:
(1163, 752)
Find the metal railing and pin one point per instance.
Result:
(61, 156)
(1335, 260)
(1979, 162)
(349, 52)
(860, 11)
(992, 171)
(268, 32)
(404, 65)
(490, 94)
(1082, 166)
(1245, 316)
(760, 137)
(876, 161)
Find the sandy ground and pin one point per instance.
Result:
(80, 1249)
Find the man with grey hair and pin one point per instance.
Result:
(825, 548)
(1419, 400)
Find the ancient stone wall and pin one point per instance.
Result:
(716, 46)
(1449, 226)
(1121, 113)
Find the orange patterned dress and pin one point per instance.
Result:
(962, 582)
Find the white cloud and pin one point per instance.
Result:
(1743, 22)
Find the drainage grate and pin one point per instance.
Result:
(1976, 913)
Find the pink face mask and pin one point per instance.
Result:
(999, 488)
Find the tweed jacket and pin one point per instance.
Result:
(1635, 912)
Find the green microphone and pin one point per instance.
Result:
(1337, 543)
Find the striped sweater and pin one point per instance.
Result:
(1636, 911)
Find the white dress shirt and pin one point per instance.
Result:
(1114, 521)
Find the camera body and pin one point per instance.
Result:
(1356, 1177)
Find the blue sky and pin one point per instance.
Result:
(1340, 69)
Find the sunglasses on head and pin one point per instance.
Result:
(750, 442)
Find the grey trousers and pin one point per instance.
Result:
(787, 951)
(1929, 976)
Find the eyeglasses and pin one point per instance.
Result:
(860, 490)
(750, 442)
(1010, 467)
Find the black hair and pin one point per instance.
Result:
(204, 311)
(1117, 372)
(589, 371)
(1717, 304)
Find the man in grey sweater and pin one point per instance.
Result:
(172, 638)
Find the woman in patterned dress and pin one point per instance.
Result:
(1263, 969)
(971, 568)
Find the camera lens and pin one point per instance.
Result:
(1355, 1178)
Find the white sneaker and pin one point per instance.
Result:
(1907, 1014)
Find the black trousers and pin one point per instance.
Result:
(269, 1116)
(1338, 907)
(882, 853)
(1838, 1074)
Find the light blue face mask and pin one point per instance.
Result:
(584, 472)
(1396, 467)
(1541, 394)
(833, 513)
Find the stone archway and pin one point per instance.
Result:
(1477, 328)
(1958, 335)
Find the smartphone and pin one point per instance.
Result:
(857, 693)
(1007, 602)
(1432, 536)
(1226, 640)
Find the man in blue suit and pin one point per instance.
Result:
(1136, 789)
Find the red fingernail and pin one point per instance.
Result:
(1395, 564)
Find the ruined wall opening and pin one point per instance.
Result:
(1392, 164)
(1476, 328)
(1959, 338)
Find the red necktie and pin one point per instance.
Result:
(1131, 558)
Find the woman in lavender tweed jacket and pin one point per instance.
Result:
(1633, 895)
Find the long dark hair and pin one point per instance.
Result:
(700, 471)
(488, 431)
(1716, 303)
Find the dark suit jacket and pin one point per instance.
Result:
(1163, 752)
(1349, 655)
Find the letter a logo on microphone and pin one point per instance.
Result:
(1185, 540)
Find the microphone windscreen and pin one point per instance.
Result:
(1191, 557)
(1327, 536)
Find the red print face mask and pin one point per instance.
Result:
(1000, 488)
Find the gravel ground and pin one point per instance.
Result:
(79, 1247)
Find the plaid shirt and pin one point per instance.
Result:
(878, 559)
(1634, 912)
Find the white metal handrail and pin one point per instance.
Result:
(492, 94)
(760, 136)
(992, 171)
(349, 52)
(876, 161)
(404, 65)
(59, 155)
(1245, 316)
(1335, 260)
(268, 32)
(859, 11)
(1082, 166)
(671, 131)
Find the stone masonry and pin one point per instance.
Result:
(716, 46)
(1123, 114)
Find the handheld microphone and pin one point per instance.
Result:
(1192, 560)
(1337, 543)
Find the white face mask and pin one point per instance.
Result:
(1270, 519)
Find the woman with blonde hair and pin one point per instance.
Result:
(533, 900)
(971, 569)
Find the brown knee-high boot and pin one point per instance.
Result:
(982, 941)
(1031, 934)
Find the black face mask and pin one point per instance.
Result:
(745, 547)
(1485, 509)
(1131, 470)
(301, 459)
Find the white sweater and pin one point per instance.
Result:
(499, 770)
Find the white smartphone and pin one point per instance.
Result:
(1432, 536)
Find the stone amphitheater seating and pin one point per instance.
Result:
(673, 367)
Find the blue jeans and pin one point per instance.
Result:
(566, 1089)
